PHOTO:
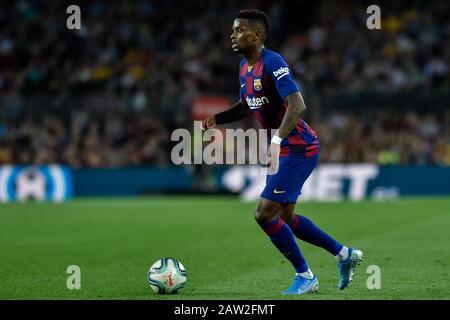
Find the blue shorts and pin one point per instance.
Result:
(286, 185)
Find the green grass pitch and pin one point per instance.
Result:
(227, 256)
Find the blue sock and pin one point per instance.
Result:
(282, 237)
(306, 230)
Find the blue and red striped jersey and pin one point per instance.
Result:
(265, 87)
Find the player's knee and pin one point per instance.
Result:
(263, 215)
(257, 215)
(286, 217)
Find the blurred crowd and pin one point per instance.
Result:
(388, 138)
(110, 94)
(107, 142)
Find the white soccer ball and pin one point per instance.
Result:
(167, 276)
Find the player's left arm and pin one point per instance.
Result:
(290, 92)
(295, 109)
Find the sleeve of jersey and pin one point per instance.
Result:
(281, 75)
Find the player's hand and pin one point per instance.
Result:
(273, 157)
(209, 123)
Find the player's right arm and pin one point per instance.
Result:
(238, 111)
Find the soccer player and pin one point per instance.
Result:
(268, 90)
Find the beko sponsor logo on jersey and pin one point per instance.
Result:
(281, 72)
(256, 102)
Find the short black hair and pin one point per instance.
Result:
(258, 16)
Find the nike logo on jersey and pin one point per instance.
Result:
(278, 191)
(242, 85)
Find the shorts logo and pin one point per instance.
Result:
(257, 84)
(278, 191)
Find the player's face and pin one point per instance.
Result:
(243, 38)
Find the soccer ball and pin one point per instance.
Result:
(167, 275)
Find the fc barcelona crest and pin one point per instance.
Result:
(257, 84)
